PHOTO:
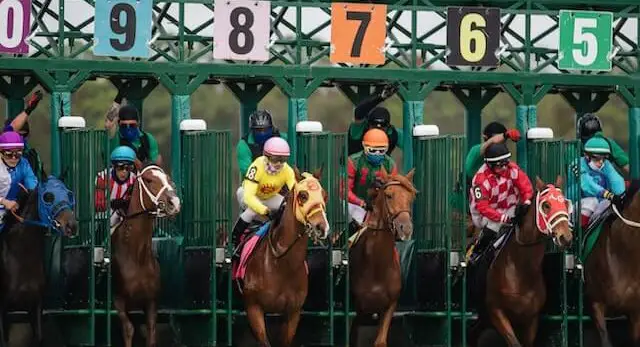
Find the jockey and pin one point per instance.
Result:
(362, 170)
(589, 126)
(251, 145)
(494, 132)
(496, 189)
(259, 193)
(13, 171)
(119, 180)
(600, 183)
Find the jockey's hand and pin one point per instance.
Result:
(389, 90)
(119, 204)
(521, 211)
(505, 219)
(512, 134)
(10, 205)
(272, 215)
(617, 200)
(608, 195)
(378, 183)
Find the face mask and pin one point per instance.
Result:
(129, 133)
(262, 136)
(375, 159)
(594, 166)
(272, 168)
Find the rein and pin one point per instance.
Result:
(624, 220)
(390, 218)
(154, 198)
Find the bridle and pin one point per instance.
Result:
(155, 198)
(549, 222)
(389, 217)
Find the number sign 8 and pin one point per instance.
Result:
(15, 16)
(241, 30)
(585, 40)
(123, 28)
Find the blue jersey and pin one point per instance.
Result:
(593, 183)
(23, 174)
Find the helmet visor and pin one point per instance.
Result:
(277, 159)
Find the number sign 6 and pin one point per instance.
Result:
(123, 28)
(15, 16)
(585, 40)
(241, 30)
(473, 36)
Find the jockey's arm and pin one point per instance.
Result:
(29, 179)
(352, 198)
(18, 122)
(588, 185)
(481, 197)
(523, 183)
(362, 110)
(616, 181)
(494, 139)
(250, 198)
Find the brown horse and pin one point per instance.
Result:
(515, 285)
(136, 272)
(611, 270)
(374, 264)
(276, 279)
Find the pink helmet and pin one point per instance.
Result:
(277, 147)
(11, 140)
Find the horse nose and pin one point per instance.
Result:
(174, 204)
(71, 227)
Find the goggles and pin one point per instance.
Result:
(12, 154)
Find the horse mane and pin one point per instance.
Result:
(404, 182)
(631, 192)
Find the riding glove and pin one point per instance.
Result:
(389, 90)
(505, 219)
(33, 102)
(119, 204)
(512, 134)
(521, 211)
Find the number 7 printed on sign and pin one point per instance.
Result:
(358, 33)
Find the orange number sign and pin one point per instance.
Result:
(358, 32)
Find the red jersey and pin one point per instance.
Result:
(492, 194)
(116, 190)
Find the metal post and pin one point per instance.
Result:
(473, 124)
(180, 110)
(522, 124)
(634, 142)
(56, 112)
(297, 113)
(412, 114)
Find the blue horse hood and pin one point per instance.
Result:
(53, 198)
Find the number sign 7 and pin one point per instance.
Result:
(123, 28)
(358, 32)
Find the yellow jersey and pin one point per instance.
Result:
(259, 185)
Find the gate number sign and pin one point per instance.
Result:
(15, 16)
(123, 28)
(585, 40)
(241, 30)
(358, 32)
(473, 36)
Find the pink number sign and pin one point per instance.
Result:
(15, 17)
(241, 30)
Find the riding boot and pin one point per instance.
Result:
(486, 238)
(238, 229)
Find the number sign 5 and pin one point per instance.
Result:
(14, 26)
(241, 30)
(358, 32)
(585, 40)
(473, 36)
(123, 28)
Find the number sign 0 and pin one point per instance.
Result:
(585, 40)
(241, 30)
(473, 36)
(123, 28)
(15, 16)
(358, 32)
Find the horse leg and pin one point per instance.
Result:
(531, 330)
(152, 315)
(383, 326)
(36, 323)
(502, 324)
(635, 328)
(255, 315)
(601, 324)
(289, 328)
(127, 326)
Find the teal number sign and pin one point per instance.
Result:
(585, 40)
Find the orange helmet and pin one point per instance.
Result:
(375, 138)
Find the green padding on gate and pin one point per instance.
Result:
(591, 241)
(168, 251)
(406, 250)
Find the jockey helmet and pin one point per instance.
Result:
(493, 128)
(597, 145)
(379, 117)
(497, 155)
(11, 140)
(588, 125)
(375, 138)
(128, 112)
(123, 154)
(277, 151)
(260, 119)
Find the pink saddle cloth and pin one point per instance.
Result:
(240, 269)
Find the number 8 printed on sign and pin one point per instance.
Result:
(241, 30)
(123, 28)
(15, 17)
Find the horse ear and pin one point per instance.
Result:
(559, 182)
(409, 175)
(539, 183)
(297, 173)
(318, 173)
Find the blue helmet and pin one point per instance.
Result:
(123, 154)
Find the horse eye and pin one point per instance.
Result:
(303, 197)
(389, 195)
(546, 206)
(48, 197)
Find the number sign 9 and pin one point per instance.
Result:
(241, 30)
(123, 28)
(473, 36)
(585, 40)
(15, 16)
(358, 32)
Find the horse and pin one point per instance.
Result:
(374, 264)
(276, 278)
(611, 271)
(22, 247)
(136, 272)
(515, 288)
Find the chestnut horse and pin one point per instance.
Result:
(136, 271)
(515, 288)
(612, 274)
(374, 264)
(276, 279)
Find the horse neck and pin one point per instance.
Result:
(139, 227)
(624, 237)
(378, 219)
(29, 235)
(528, 256)
(287, 232)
